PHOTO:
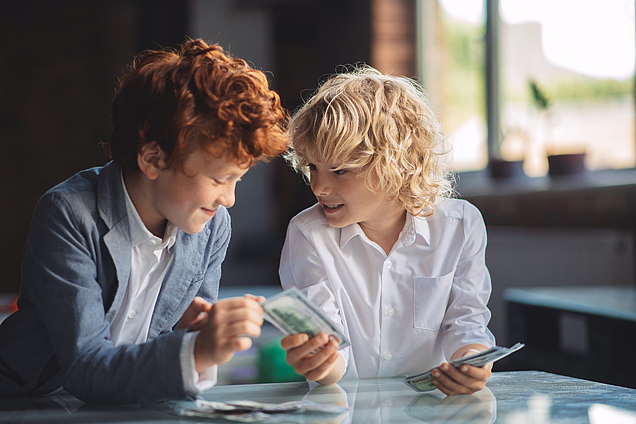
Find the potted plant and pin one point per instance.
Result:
(512, 147)
(558, 163)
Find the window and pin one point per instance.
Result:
(452, 72)
(564, 73)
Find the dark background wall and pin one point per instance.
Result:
(59, 64)
(60, 61)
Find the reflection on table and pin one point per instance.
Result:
(510, 397)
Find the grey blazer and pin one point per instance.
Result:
(75, 268)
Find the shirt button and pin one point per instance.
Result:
(132, 314)
(390, 311)
(388, 356)
(388, 403)
(152, 242)
(387, 264)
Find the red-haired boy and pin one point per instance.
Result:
(121, 267)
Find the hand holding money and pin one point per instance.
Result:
(227, 329)
(463, 375)
(316, 359)
(312, 340)
(463, 379)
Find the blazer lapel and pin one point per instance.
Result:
(188, 265)
(112, 208)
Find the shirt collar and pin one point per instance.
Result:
(139, 233)
(413, 226)
(349, 232)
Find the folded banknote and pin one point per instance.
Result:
(291, 312)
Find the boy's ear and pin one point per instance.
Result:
(151, 159)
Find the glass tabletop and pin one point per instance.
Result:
(510, 397)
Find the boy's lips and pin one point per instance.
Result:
(209, 212)
(331, 207)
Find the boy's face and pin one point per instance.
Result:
(346, 199)
(188, 196)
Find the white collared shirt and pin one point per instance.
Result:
(151, 257)
(405, 312)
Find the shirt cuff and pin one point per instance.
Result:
(345, 356)
(194, 382)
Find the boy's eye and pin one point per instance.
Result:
(218, 182)
(339, 171)
(311, 166)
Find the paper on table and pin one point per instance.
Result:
(250, 411)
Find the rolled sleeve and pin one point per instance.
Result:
(467, 315)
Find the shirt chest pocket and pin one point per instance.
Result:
(430, 297)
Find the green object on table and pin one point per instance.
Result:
(271, 364)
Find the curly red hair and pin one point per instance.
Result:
(196, 97)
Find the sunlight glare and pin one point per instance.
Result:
(591, 37)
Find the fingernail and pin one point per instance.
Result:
(444, 367)
(464, 368)
(436, 373)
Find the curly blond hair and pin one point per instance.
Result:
(381, 126)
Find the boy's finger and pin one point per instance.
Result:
(450, 380)
(258, 299)
(229, 316)
(313, 345)
(306, 349)
(239, 303)
(200, 304)
(322, 369)
(241, 328)
(458, 376)
(317, 362)
(447, 385)
(478, 373)
(293, 341)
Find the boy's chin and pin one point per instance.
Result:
(336, 223)
(193, 229)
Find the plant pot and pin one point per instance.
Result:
(566, 164)
(500, 168)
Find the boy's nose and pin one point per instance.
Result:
(320, 186)
(226, 197)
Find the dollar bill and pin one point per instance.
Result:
(423, 382)
(291, 312)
